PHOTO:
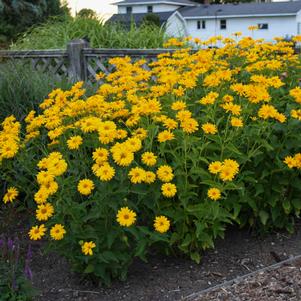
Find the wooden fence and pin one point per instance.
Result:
(78, 62)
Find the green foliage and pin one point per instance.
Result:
(87, 13)
(56, 35)
(18, 15)
(22, 88)
(245, 91)
(151, 19)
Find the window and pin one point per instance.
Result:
(223, 24)
(201, 24)
(128, 9)
(263, 26)
(150, 9)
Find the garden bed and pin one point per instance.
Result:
(278, 282)
(170, 278)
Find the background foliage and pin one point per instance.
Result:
(56, 34)
(16, 16)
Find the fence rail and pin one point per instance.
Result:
(78, 61)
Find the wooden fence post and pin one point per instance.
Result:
(76, 68)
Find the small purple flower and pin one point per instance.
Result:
(27, 271)
(29, 253)
(10, 244)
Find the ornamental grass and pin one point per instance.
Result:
(163, 158)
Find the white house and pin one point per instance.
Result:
(188, 18)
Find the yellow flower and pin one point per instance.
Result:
(150, 177)
(149, 158)
(161, 224)
(85, 186)
(183, 115)
(44, 212)
(100, 155)
(133, 144)
(105, 172)
(169, 190)
(227, 174)
(126, 217)
(87, 248)
(267, 111)
(296, 114)
(37, 232)
(165, 173)
(137, 175)
(228, 98)
(232, 164)
(209, 128)
(44, 177)
(214, 194)
(74, 142)
(170, 124)
(50, 188)
(58, 168)
(41, 195)
(10, 195)
(165, 136)
(57, 232)
(189, 125)
(237, 122)
(290, 161)
(122, 155)
(297, 159)
(140, 133)
(215, 167)
(209, 99)
(178, 105)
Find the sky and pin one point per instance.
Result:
(102, 7)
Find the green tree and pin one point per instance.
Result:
(18, 15)
(87, 13)
(151, 19)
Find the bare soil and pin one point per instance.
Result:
(169, 278)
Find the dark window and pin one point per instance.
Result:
(150, 9)
(223, 24)
(201, 24)
(128, 9)
(263, 26)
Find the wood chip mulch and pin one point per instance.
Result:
(275, 284)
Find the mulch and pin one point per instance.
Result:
(277, 283)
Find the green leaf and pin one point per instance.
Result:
(263, 215)
(286, 206)
(196, 257)
(89, 269)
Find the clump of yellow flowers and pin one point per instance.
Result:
(165, 155)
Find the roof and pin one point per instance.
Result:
(179, 2)
(241, 9)
(137, 18)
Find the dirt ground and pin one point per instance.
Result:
(277, 284)
(167, 278)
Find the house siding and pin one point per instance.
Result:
(157, 8)
(175, 26)
(299, 23)
(280, 26)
